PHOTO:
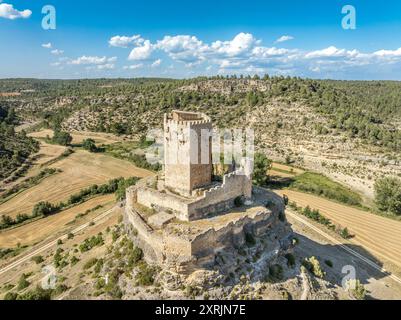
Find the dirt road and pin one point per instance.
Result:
(379, 235)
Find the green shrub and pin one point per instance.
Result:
(388, 195)
(37, 259)
(146, 274)
(90, 263)
(313, 265)
(23, 282)
(322, 186)
(357, 289)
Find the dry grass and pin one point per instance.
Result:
(79, 136)
(79, 170)
(378, 235)
(52, 226)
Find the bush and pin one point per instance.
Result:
(275, 273)
(37, 259)
(388, 195)
(89, 145)
(145, 275)
(43, 208)
(92, 242)
(23, 282)
(357, 289)
(61, 137)
(290, 260)
(90, 263)
(313, 265)
(261, 166)
(10, 296)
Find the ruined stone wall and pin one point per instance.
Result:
(153, 198)
(221, 197)
(206, 245)
(214, 200)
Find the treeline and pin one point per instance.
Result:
(367, 110)
(15, 147)
(45, 208)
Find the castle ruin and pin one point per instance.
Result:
(182, 218)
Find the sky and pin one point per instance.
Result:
(183, 39)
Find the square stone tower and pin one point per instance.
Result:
(187, 151)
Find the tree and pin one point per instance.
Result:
(62, 138)
(388, 195)
(261, 166)
(43, 208)
(89, 144)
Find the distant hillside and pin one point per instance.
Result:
(368, 111)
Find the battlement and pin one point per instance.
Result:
(185, 118)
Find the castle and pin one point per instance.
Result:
(182, 218)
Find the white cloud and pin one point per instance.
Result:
(241, 44)
(124, 41)
(47, 45)
(388, 53)
(156, 63)
(134, 66)
(107, 66)
(142, 52)
(94, 60)
(7, 11)
(57, 52)
(184, 48)
(284, 38)
(332, 52)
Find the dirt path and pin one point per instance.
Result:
(379, 235)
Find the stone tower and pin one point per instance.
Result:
(187, 151)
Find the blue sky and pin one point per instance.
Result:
(189, 38)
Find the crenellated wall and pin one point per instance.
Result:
(214, 200)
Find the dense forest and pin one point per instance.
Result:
(367, 110)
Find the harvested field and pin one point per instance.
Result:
(379, 235)
(79, 136)
(54, 225)
(79, 170)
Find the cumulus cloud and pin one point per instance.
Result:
(134, 66)
(7, 11)
(244, 54)
(241, 44)
(284, 38)
(57, 52)
(125, 41)
(107, 66)
(92, 60)
(331, 52)
(142, 52)
(46, 45)
(156, 63)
